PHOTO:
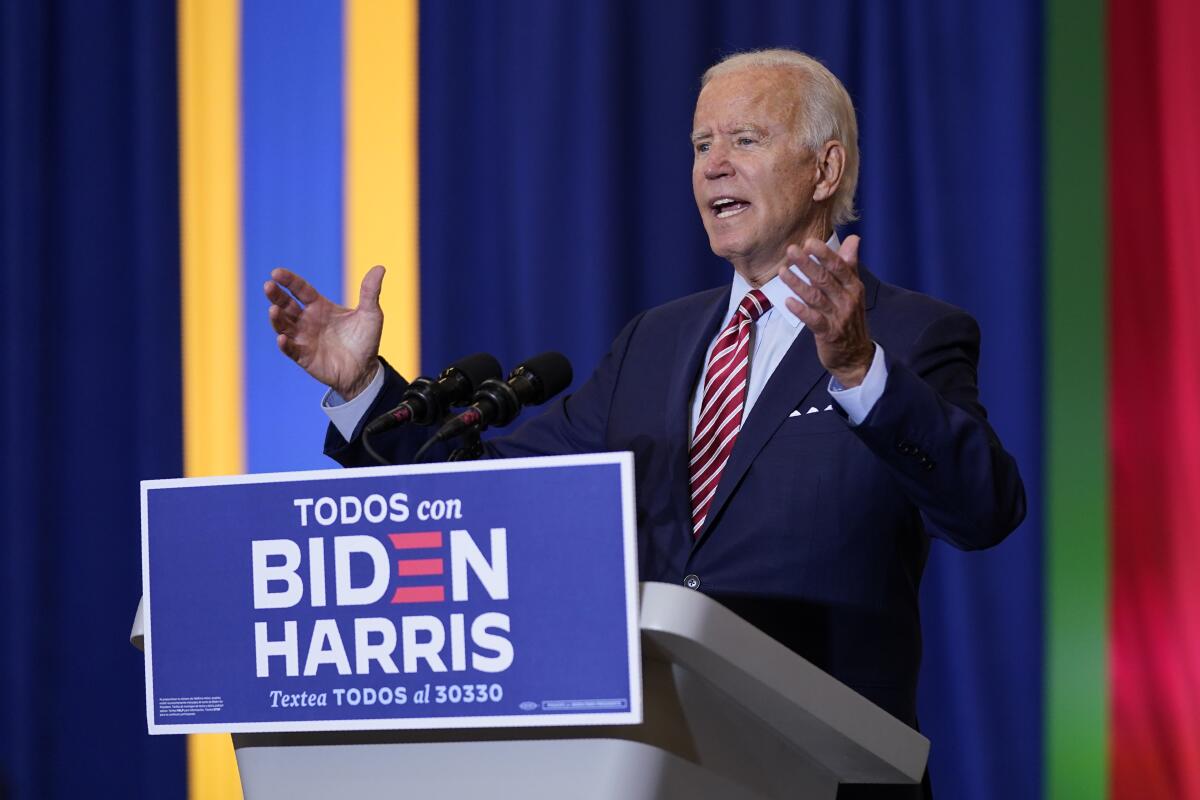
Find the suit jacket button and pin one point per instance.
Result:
(692, 582)
(927, 463)
(907, 448)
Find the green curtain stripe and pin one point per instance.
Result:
(1076, 413)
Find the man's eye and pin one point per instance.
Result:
(745, 140)
(702, 147)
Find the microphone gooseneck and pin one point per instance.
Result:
(497, 402)
(427, 400)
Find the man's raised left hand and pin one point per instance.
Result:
(833, 307)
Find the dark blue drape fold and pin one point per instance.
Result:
(556, 203)
(91, 386)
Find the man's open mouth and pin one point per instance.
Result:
(728, 206)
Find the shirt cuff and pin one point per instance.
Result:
(346, 414)
(857, 401)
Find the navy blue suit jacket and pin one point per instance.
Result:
(819, 531)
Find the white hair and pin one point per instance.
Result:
(826, 112)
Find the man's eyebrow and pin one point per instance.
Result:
(732, 130)
(747, 127)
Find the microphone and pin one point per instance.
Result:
(498, 402)
(427, 400)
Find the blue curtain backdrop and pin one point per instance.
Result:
(556, 203)
(91, 386)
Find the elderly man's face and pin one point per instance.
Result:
(752, 179)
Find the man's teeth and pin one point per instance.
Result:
(728, 207)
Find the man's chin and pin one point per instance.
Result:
(726, 247)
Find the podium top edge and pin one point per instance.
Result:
(622, 458)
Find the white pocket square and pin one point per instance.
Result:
(811, 410)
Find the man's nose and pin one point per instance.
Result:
(717, 165)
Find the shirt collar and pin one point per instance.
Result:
(775, 289)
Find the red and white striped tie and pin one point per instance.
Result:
(724, 399)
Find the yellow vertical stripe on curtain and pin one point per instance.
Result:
(381, 167)
(210, 205)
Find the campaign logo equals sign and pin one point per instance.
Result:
(419, 567)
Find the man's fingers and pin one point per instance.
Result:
(817, 252)
(811, 295)
(811, 305)
(821, 250)
(289, 347)
(281, 321)
(368, 292)
(818, 273)
(848, 252)
(814, 320)
(281, 300)
(296, 285)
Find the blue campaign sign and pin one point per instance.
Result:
(495, 593)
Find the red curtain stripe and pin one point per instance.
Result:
(1154, 162)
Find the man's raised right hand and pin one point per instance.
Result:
(338, 346)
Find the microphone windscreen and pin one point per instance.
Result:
(477, 368)
(552, 373)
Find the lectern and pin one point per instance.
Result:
(729, 713)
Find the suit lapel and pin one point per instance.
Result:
(870, 285)
(689, 360)
(794, 378)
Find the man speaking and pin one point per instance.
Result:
(798, 436)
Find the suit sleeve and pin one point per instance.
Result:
(932, 432)
(398, 445)
(577, 423)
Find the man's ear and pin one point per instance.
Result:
(831, 163)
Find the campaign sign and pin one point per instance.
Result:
(494, 593)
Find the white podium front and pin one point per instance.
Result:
(729, 713)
